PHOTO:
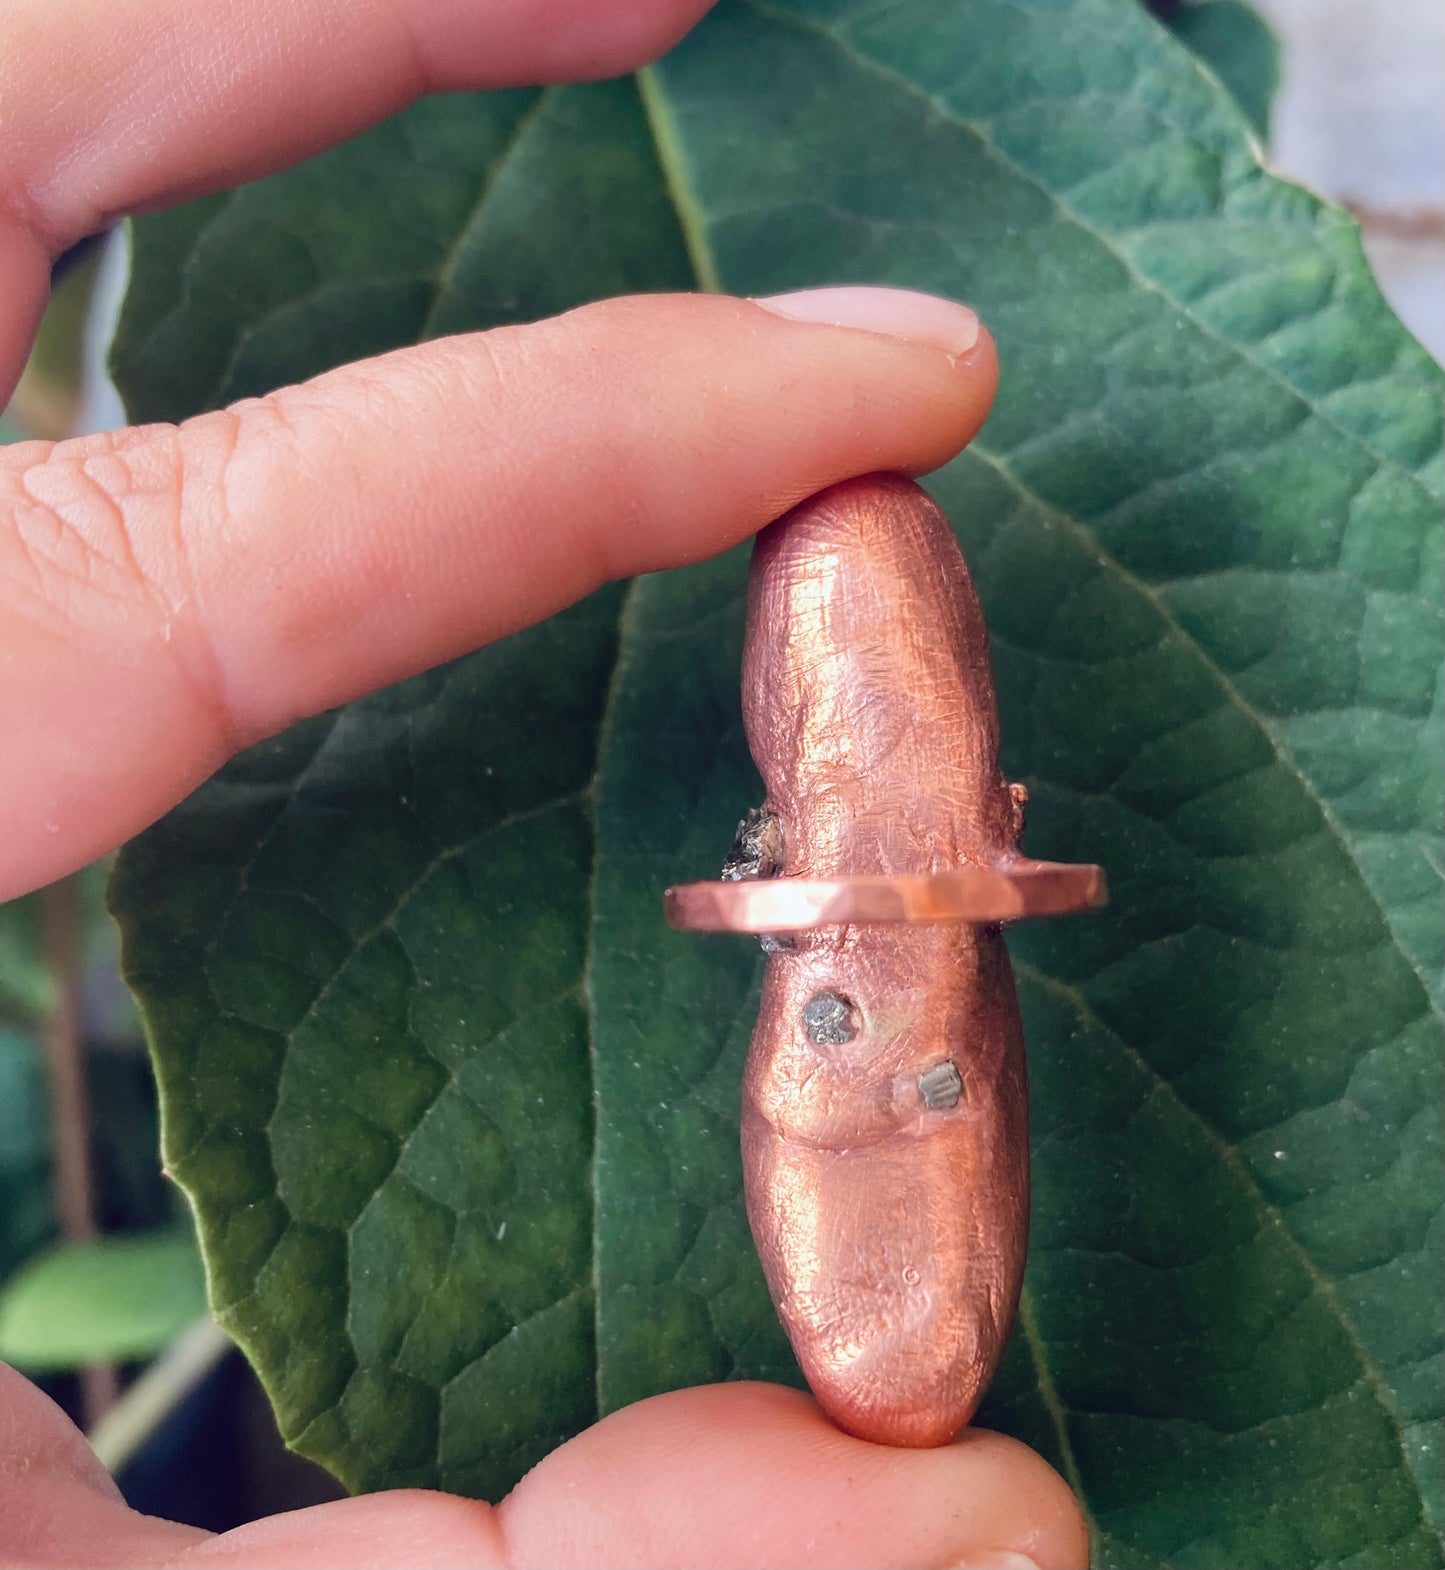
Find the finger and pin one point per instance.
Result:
(58, 1506)
(109, 108)
(728, 1475)
(24, 289)
(170, 595)
(112, 105)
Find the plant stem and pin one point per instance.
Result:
(73, 1180)
(158, 1392)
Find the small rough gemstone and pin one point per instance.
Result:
(828, 1019)
(940, 1086)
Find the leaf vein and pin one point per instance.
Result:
(1271, 1213)
(1066, 213)
(1232, 692)
(474, 219)
(625, 616)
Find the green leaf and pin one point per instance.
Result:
(25, 1210)
(27, 985)
(114, 1299)
(1236, 43)
(457, 1112)
(27, 989)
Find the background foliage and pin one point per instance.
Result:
(72, 1309)
(457, 1112)
(108, 1299)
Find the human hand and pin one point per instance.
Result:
(170, 595)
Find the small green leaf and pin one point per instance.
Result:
(27, 990)
(111, 1300)
(458, 1113)
(25, 1209)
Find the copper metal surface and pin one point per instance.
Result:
(1026, 888)
(884, 1125)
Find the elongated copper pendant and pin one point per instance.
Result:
(884, 1121)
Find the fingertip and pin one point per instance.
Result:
(951, 365)
(921, 321)
(594, 42)
(1047, 1529)
(58, 1505)
(744, 1475)
(753, 1475)
(980, 367)
(974, 385)
(928, 320)
(417, 1527)
(25, 267)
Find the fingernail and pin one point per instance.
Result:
(994, 1559)
(896, 313)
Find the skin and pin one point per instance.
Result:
(158, 611)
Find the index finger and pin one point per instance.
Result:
(112, 106)
(172, 595)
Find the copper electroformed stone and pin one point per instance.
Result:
(884, 1120)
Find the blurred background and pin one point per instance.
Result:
(1360, 117)
(101, 1290)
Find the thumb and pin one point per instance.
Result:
(727, 1475)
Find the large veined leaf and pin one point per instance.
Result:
(458, 1113)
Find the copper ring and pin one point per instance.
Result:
(981, 894)
(884, 1118)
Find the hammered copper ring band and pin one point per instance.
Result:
(981, 894)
